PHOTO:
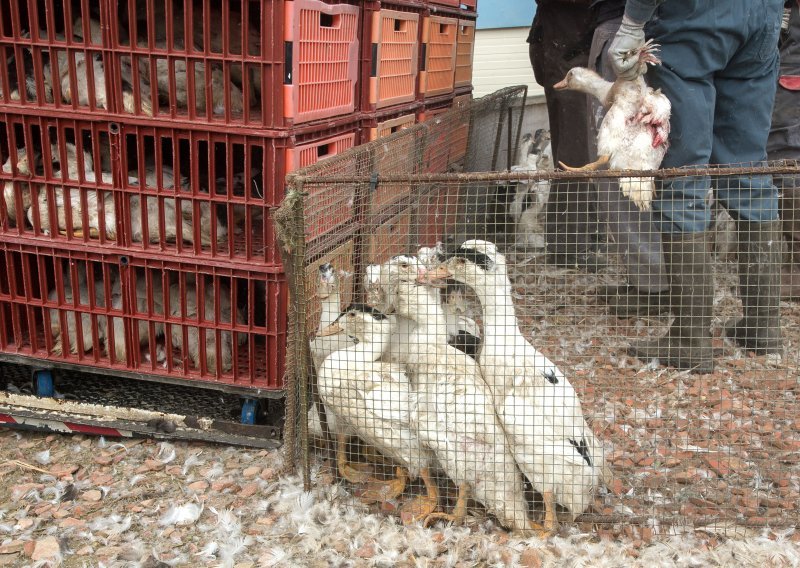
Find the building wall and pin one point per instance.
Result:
(501, 60)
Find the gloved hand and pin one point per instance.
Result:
(624, 52)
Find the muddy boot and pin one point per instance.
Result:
(687, 344)
(759, 250)
(628, 301)
(790, 221)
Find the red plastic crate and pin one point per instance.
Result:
(226, 185)
(256, 63)
(52, 54)
(465, 49)
(453, 3)
(394, 57)
(439, 39)
(152, 319)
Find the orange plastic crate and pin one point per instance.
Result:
(439, 40)
(324, 60)
(465, 49)
(395, 61)
(391, 125)
(326, 208)
(454, 3)
(389, 237)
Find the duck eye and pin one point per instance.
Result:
(403, 265)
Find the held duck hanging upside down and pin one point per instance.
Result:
(635, 129)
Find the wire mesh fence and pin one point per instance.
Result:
(466, 343)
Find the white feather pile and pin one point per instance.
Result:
(42, 457)
(166, 452)
(191, 461)
(186, 514)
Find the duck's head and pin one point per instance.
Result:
(360, 321)
(579, 79)
(328, 281)
(471, 263)
(382, 281)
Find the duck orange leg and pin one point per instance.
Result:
(596, 165)
(550, 521)
(382, 491)
(459, 511)
(346, 470)
(421, 506)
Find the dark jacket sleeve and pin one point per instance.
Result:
(641, 10)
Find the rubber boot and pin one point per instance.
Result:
(687, 344)
(759, 251)
(638, 244)
(790, 221)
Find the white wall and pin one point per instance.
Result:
(501, 60)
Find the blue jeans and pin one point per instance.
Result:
(719, 71)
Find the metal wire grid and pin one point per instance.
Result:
(641, 447)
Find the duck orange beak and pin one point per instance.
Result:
(561, 85)
(332, 329)
(433, 277)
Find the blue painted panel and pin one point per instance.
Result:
(505, 13)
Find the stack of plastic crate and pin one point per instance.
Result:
(144, 144)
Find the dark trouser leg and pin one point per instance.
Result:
(560, 42)
(687, 344)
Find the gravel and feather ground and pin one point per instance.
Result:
(707, 470)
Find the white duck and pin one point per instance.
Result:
(455, 411)
(552, 444)
(71, 317)
(462, 331)
(193, 348)
(9, 191)
(322, 347)
(635, 130)
(152, 212)
(374, 401)
(76, 198)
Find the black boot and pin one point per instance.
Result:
(627, 301)
(687, 344)
(759, 250)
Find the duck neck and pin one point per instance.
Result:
(596, 86)
(421, 305)
(368, 350)
(330, 310)
(499, 316)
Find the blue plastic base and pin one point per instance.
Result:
(249, 410)
(43, 383)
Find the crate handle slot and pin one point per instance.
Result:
(330, 20)
(400, 25)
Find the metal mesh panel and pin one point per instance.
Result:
(458, 368)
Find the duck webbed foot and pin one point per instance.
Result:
(422, 506)
(594, 166)
(382, 491)
(459, 511)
